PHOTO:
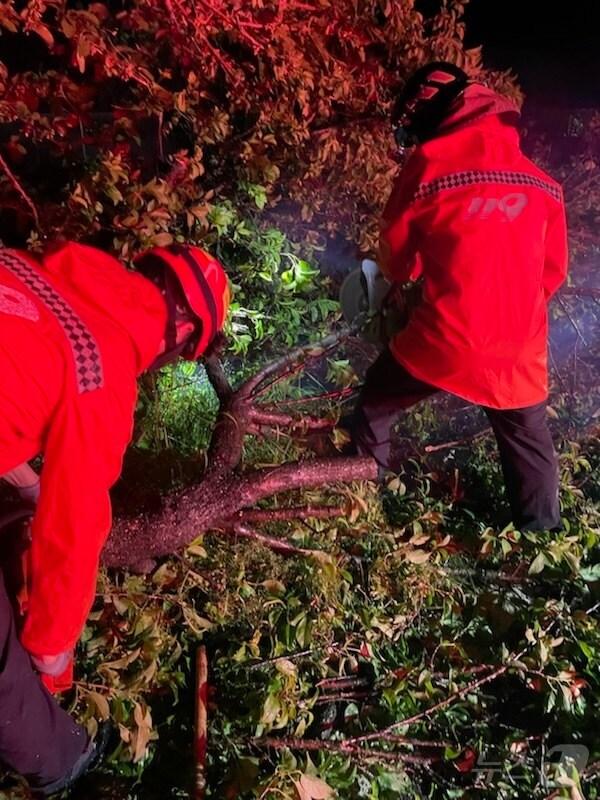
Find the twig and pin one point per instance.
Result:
(491, 575)
(342, 683)
(434, 448)
(474, 670)
(20, 190)
(291, 657)
(573, 321)
(277, 545)
(343, 697)
(458, 695)
(346, 748)
(592, 610)
(405, 740)
(261, 516)
(194, 37)
(236, 25)
(95, 687)
(201, 721)
(338, 394)
(561, 383)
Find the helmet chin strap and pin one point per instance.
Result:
(168, 356)
(173, 349)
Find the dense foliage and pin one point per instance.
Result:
(126, 120)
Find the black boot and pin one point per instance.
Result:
(88, 761)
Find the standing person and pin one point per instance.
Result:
(484, 229)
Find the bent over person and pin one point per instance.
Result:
(76, 331)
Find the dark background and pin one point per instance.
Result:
(553, 46)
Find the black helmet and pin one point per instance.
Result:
(425, 101)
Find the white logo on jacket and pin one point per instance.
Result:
(510, 206)
(17, 304)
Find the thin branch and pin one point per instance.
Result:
(20, 190)
(95, 687)
(343, 683)
(195, 36)
(559, 378)
(406, 740)
(434, 448)
(277, 545)
(572, 320)
(291, 657)
(291, 362)
(451, 699)
(273, 419)
(238, 25)
(342, 697)
(423, 715)
(261, 516)
(318, 746)
(338, 394)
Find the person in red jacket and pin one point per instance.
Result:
(483, 229)
(76, 331)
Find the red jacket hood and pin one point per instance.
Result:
(125, 298)
(476, 103)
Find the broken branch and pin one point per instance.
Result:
(290, 363)
(273, 419)
(281, 546)
(458, 695)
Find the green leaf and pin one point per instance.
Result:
(303, 631)
(588, 651)
(591, 573)
(271, 710)
(538, 564)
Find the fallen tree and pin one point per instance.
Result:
(225, 497)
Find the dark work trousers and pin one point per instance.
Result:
(37, 738)
(529, 461)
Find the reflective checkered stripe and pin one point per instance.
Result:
(86, 354)
(457, 180)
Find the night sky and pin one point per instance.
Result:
(553, 45)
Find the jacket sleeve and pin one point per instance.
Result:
(557, 255)
(398, 247)
(82, 459)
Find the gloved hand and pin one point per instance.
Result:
(26, 481)
(52, 665)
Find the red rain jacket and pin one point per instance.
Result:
(75, 333)
(485, 229)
